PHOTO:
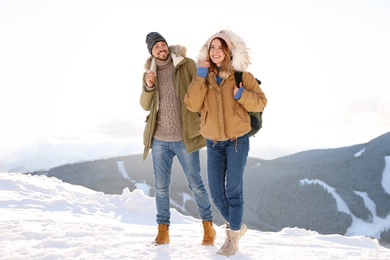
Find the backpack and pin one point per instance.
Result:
(256, 117)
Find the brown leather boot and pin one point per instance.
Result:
(209, 233)
(163, 235)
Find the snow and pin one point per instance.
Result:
(45, 218)
(341, 205)
(358, 226)
(369, 203)
(358, 154)
(386, 175)
(122, 170)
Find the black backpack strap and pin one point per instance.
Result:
(238, 77)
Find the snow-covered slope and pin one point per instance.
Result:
(44, 218)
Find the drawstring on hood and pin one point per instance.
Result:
(238, 48)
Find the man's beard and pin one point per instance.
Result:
(163, 59)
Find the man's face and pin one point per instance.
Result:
(160, 51)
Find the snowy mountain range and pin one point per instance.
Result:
(342, 191)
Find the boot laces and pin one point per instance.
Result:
(207, 229)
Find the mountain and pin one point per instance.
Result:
(330, 191)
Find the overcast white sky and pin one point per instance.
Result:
(70, 71)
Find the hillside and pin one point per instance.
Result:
(329, 191)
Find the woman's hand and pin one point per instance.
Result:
(235, 89)
(203, 63)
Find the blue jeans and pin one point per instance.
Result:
(226, 162)
(163, 154)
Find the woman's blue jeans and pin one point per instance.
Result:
(163, 154)
(226, 162)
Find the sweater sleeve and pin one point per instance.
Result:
(202, 72)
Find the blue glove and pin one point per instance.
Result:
(237, 96)
(202, 72)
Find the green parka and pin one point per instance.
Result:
(184, 71)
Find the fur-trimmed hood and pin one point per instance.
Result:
(240, 53)
(177, 52)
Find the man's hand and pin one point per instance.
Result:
(150, 78)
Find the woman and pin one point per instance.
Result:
(225, 123)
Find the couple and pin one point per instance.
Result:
(196, 105)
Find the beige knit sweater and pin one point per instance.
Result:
(169, 126)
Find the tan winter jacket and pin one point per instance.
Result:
(184, 72)
(222, 116)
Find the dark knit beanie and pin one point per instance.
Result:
(152, 38)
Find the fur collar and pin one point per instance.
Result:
(177, 52)
(240, 53)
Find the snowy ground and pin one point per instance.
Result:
(44, 218)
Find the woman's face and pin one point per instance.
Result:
(216, 52)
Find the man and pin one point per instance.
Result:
(172, 130)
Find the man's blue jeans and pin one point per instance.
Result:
(226, 162)
(163, 154)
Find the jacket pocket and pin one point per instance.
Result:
(193, 121)
(243, 114)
